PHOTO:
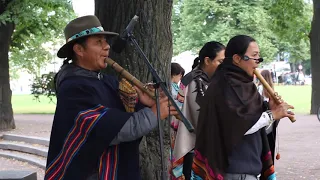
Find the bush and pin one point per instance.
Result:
(44, 85)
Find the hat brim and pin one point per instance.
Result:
(66, 51)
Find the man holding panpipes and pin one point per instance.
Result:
(93, 136)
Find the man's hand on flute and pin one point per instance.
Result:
(150, 87)
(165, 107)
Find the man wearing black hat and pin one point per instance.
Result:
(93, 137)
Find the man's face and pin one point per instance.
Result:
(93, 55)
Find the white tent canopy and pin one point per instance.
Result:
(185, 59)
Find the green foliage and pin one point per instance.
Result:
(277, 25)
(14, 73)
(44, 85)
(306, 66)
(36, 22)
(291, 23)
(30, 58)
(206, 20)
(176, 23)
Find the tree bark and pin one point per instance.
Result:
(315, 57)
(6, 113)
(153, 34)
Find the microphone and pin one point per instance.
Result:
(120, 42)
(130, 27)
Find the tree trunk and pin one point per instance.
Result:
(153, 34)
(315, 57)
(6, 113)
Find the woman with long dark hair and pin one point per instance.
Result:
(231, 141)
(196, 83)
(271, 131)
(267, 76)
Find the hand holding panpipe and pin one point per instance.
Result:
(272, 93)
(144, 87)
(129, 77)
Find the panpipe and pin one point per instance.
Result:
(126, 90)
(129, 77)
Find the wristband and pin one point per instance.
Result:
(270, 116)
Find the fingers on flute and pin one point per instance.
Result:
(290, 116)
(172, 108)
(290, 107)
(163, 99)
(173, 111)
(137, 89)
(290, 113)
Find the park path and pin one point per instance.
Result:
(299, 145)
(299, 149)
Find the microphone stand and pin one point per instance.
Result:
(160, 84)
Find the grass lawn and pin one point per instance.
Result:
(27, 104)
(298, 96)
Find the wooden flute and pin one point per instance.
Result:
(272, 93)
(129, 76)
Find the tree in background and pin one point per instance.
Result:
(206, 20)
(291, 25)
(153, 33)
(280, 27)
(315, 57)
(24, 27)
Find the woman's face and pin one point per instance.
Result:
(212, 65)
(253, 53)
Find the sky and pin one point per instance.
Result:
(83, 7)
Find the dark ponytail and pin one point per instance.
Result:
(66, 61)
(71, 56)
(210, 50)
(196, 62)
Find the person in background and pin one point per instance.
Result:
(267, 76)
(271, 130)
(272, 75)
(180, 95)
(177, 72)
(196, 82)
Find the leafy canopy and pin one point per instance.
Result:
(277, 25)
(36, 22)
